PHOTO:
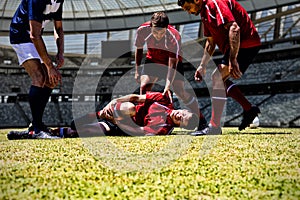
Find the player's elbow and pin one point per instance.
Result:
(134, 98)
(35, 37)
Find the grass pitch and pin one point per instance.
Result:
(258, 163)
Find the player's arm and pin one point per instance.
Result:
(36, 38)
(134, 98)
(107, 111)
(209, 49)
(59, 38)
(171, 74)
(138, 62)
(234, 43)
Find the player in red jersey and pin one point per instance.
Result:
(226, 24)
(149, 114)
(163, 60)
(138, 115)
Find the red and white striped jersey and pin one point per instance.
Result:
(154, 114)
(216, 13)
(159, 51)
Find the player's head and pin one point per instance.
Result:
(159, 24)
(160, 20)
(124, 110)
(184, 119)
(190, 6)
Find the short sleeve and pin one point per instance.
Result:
(35, 10)
(158, 124)
(140, 37)
(223, 13)
(57, 16)
(158, 97)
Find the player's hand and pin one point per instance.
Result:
(200, 73)
(137, 76)
(107, 113)
(108, 110)
(54, 76)
(234, 69)
(60, 60)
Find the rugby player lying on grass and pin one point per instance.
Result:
(136, 115)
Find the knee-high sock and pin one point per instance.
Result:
(234, 92)
(45, 97)
(218, 102)
(38, 98)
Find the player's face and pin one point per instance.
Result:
(181, 117)
(158, 32)
(191, 8)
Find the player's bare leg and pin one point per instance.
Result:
(35, 70)
(218, 94)
(250, 111)
(147, 83)
(39, 94)
(223, 70)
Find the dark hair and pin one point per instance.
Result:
(193, 122)
(181, 2)
(160, 19)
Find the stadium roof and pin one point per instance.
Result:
(106, 15)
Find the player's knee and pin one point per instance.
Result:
(235, 27)
(219, 76)
(52, 86)
(144, 87)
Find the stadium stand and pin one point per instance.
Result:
(90, 81)
(10, 116)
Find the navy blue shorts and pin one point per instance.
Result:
(158, 70)
(245, 57)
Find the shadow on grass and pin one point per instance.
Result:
(248, 131)
(268, 133)
(259, 132)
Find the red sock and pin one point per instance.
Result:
(234, 92)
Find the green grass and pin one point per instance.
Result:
(261, 163)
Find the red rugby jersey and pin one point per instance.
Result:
(159, 51)
(154, 114)
(216, 13)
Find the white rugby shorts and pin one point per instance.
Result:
(26, 51)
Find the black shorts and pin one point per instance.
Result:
(85, 121)
(245, 57)
(114, 129)
(159, 70)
